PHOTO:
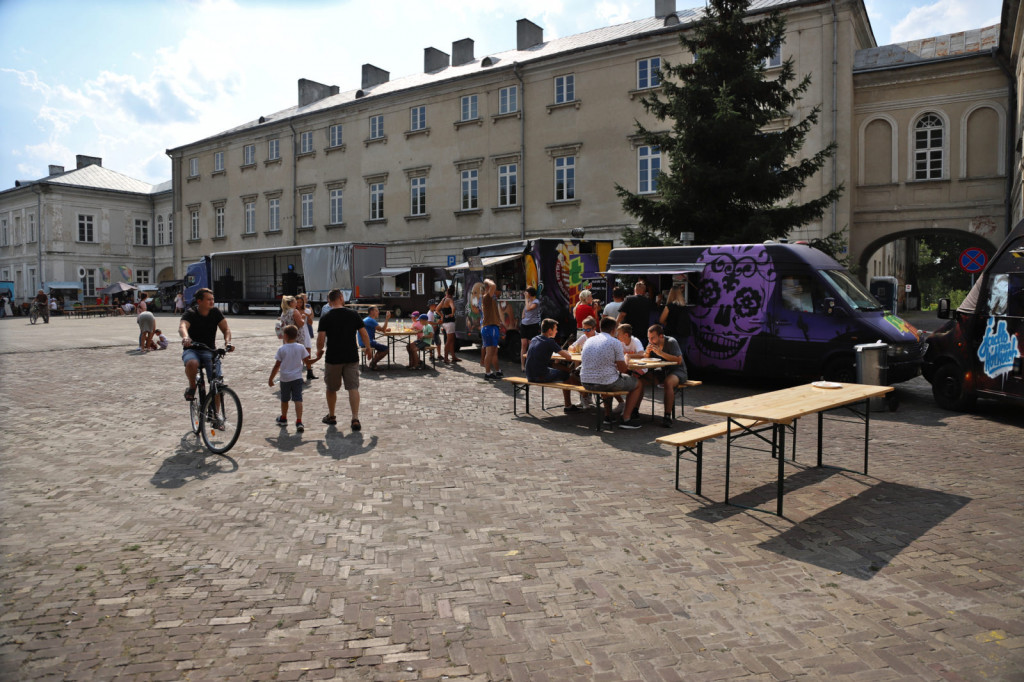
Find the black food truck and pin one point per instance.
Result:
(977, 353)
(557, 268)
(409, 289)
(773, 310)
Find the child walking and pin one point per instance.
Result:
(289, 359)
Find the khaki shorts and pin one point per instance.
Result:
(333, 375)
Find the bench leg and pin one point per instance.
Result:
(699, 457)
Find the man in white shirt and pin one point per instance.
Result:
(603, 368)
(612, 309)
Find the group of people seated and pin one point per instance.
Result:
(423, 326)
(605, 348)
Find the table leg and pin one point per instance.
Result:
(780, 429)
(821, 423)
(867, 432)
(728, 455)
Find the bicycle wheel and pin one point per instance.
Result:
(193, 409)
(220, 427)
(33, 315)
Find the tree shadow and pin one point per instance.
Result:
(191, 462)
(338, 447)
(861, 535)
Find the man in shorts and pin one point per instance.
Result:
(200, 324)
(663, 347)
(603, 368)
(490, 331)
(380, 351)
(337, 330)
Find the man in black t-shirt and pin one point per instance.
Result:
(538, 361)
(337, 330)
(200, 324)
(636, 310)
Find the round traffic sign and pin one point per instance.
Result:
(973, 260)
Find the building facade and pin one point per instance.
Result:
(90, 227)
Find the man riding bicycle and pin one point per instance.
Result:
(41, 304)
(199, 324)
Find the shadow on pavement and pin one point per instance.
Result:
(860, 536)
(337, 446)
(191, 462)
(762, 497)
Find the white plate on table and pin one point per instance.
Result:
(826, 384)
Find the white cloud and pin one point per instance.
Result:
(939, 18)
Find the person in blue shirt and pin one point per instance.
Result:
(538, 361)
(380, 351)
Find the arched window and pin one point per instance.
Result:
(928, 142)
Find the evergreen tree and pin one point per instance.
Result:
(731, 165)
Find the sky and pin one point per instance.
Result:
(126, 80)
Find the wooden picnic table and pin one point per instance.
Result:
(782, 408)
(392, 335)
(92, 311)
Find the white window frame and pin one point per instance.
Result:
(418, 196)
(508, 184)
(159, 230)
(377, 127)
(31, 228)
(143, 276)
(508, 100)
(193, 167)
(418, 118)
(4, 236)
(218, 162)
(218, 221)
(306, 142)
(565, 178)
(335, 135)
(648, 168)
(377, 201)
(249, 155)
(306, 202)
(647, 73)
(170, 229)
(337, 206)
(86, 221)
(775, 60)
(195, 224)
(273, 149)
(565, 88)
(470, 108)
(470, 189)
(141, 232)
(250, 217)
(274, 215)
(925, 128)
(88, 281)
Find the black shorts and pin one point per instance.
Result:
(528, 331)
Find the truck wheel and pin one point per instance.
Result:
(396, 312)
(948, 388)
(317, 309)
(235, 308)
(841, 370)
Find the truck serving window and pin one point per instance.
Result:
(851, 291)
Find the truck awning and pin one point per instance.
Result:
(488, 261)
(391, 272)
(64, 285)
(654, 269)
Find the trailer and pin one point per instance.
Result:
(410, 288)
(255, 280)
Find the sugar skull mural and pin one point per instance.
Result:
(730, 306)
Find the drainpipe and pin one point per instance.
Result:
(295, 183)
(835, 109)
(522, 150)
(1011, 134)
(39, 233)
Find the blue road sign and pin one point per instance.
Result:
(973, 260)
(451, 261)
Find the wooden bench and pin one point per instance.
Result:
(692, 442)
(522, 385)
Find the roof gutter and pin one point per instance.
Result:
(295, 184)
(522, 149)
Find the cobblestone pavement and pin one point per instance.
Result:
(451, 540)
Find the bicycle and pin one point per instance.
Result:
(38, 309)
(216, 415)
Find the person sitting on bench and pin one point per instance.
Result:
(603, 368)
(538, 360)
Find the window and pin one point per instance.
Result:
(85, 229)
(336, 212)
(418, 196)
(193, 167)
(647, 73)
(218, 162)
(565, 89)
(377, 127)
(648, 168)
(142, 276)
(274, 215)
(377, 201)
(170, 229)
(418, 118)
(89, 282)
(250, 217)
(31, 227)
(508, 184)
(565, 178)
(928, 148)
(305, 142)
(17, 229)
(33, 283)
(273, 150)
(307, 210)
(195, 225)
(335, 135)
(469, 108)
(248, 155)
(508, 100)
(141, 232)
(3, 232)
(775, 60)
(219, 221)
(159, 230)
(470, 189)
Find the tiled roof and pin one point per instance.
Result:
(99, 177)
(951, 46)
(589, 39)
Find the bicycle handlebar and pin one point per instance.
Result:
(220, 352)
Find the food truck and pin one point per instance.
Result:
(977, 353)
(408, 289)
(774, 310)
(557, 268)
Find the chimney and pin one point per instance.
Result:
(56, 170)
(311, 91)
(462, 52)
(82, 160)
(528, 34)
(374, 76)
(663, 8)
(434, 59)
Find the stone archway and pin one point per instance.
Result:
(969, 238)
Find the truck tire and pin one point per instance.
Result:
(235, 308)
(396, 312)
(949, 390)
(317, 309)
(841, 370)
